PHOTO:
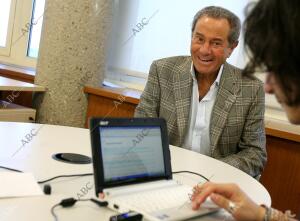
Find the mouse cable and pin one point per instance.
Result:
(191, 172)
(69, 202)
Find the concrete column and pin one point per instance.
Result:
(71, 55)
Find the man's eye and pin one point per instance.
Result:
(200, 40)
(216, 43)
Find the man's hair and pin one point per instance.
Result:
(272, 36)
(221, 13)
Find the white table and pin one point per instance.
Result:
(36, 157)
(7, 84)
(10, 111)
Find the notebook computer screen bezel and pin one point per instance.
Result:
(95, 123)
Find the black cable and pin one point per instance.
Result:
(52, 211)
(47, 180)
(61, 176)
(15, 170)
(191, 172)
(68, 202)
(71, 201)
(89, 174)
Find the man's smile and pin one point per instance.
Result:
(205, 60)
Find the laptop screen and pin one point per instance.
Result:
(131, 152)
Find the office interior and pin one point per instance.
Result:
(62, 62)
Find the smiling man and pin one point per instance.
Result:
(209, 106)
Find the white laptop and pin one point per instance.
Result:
(132, 168)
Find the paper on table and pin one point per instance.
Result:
(13, 184)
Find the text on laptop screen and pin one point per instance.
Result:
(131, 152)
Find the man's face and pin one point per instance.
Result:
(209, 46)
(272, 87)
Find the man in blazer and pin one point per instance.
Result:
(208, 105)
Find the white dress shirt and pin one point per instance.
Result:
(197, 136)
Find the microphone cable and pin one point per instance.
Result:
(69, 202)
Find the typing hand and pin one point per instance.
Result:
(231, 198)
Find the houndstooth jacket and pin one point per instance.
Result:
(237, 132)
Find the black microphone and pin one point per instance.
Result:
(47, 189)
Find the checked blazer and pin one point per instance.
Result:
(237, 132)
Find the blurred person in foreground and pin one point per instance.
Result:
(272, 35)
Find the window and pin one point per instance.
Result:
(35, 33)
(20, 30)
(4, 18)
(143, 31)
(6, 15)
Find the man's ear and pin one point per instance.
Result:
(230, 49)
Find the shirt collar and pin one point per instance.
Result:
(217, 81)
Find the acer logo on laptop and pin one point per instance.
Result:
(104, 123)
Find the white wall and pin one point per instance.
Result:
(168, 32)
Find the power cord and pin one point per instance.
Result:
(68, 202)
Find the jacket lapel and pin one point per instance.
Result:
(226, 96)
(182, 89)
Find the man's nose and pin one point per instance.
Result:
(205, 48)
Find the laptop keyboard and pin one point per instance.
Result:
(173, 197)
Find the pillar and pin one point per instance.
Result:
(71, 55)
